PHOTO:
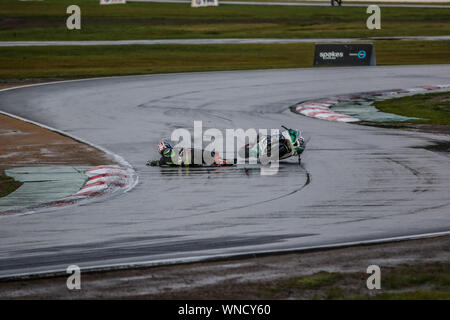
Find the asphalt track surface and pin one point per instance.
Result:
(208, 41)
(309, 4)
(356, 183)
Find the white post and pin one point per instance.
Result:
(204, 3)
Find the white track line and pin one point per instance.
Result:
(209, 41)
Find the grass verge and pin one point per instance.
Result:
(411, 282)
(7, 184)
(82, 61)
(46, 20)
(435, 107)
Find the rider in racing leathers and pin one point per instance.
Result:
(184, 157)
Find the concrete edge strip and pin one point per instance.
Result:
(102, 181)
(218, 257)
(41, 185)
(320, 108)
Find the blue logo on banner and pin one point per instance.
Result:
(362, 54)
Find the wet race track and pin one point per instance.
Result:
(355, 183)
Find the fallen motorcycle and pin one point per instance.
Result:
(289, 143)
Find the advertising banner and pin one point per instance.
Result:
(355, 54)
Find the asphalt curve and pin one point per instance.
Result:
(355, 183)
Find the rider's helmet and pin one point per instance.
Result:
(162, 146)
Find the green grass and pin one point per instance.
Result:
(81, 61)
(432, 106)
(7, 185)
(45, 20)
(123, 60)
(411, 282)
(433, 274)
(30, 20)
(316, 281)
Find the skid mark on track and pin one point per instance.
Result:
(414, 171)
(300, 188)
(426, 178)
(146, 104)
(307, 182)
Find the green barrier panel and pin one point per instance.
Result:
(365, 111)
